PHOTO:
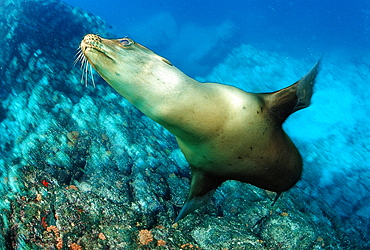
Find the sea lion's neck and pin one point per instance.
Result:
(153, 89)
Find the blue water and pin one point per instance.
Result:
(176, 29)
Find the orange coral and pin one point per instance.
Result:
(72, 187)
(54, 229)
(59, 244)
(145, 237)
(43, 222)
(38, 197)
(75, 246)
(188, 246)
(102, 236)
(161, 243)
(59, 239)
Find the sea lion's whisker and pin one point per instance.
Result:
(85, 72)
(83, 60)
(75, 61)
(86, 68)
(92, 75)
(79, 55)
(82, 73)
(83, 69)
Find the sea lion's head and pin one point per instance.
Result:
(117, 60)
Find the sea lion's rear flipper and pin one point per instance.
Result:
(286, 101)
(202, 187)
(276, 198)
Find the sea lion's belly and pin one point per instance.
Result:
(256, 152)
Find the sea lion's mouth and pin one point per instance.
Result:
(91, 44)
(88, 47)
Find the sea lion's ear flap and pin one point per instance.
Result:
(166, 61)
(202, 188)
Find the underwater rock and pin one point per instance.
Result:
(83, 169)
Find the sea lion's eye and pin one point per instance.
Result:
(125, 42)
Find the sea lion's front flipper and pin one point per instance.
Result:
(286, 101)
(202, 187)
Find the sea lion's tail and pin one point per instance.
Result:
(297, 96)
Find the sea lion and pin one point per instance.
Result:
(224, 132)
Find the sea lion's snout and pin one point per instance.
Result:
(89, 53)
(91, 41)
